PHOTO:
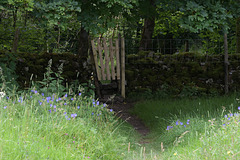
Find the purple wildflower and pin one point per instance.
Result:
(177, 122)
(74, 115)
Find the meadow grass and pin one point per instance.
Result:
(34, 126)
(204, 128)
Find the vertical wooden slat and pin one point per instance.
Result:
(106, 52)
(117, 59)
(101, 60)
(95, 60)
(111, 58)
(122, 68)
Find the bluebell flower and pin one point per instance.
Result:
(181, 123)
(80, 94)
(188, 121)
(111, 110)
(50, 110)
(228, 118)
(231, 114)
(169, 127)
(177, 122)
(5, 107)
(72, 99)
(65, 95)
(239, 108)
(225, 116)
(65, 113)
(97, 103)
(74, 115)
(7, 97)
(54, 106)
(65, 103)
(50, 105)
(104, 105)
(35, 92)
(184, 125)
(42, 94)
(78, 107)
(92, 113)
(55, 110)
(59, 99)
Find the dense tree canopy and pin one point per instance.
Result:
(65, 25)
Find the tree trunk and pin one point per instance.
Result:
(238, 35)
(83, 43)
(186, 46)
(226, 63)
(148, 29)
(16, 40)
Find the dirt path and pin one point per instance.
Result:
(122, 110)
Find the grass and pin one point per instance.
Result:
(34, 126)
(204, 128)
(70, 127)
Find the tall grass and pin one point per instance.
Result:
(71, 127)
(204, 128)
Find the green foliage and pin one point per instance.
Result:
(203, 16)
(52, 82)
(8, 75)
(57, 13)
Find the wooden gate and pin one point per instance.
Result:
(109, 59)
